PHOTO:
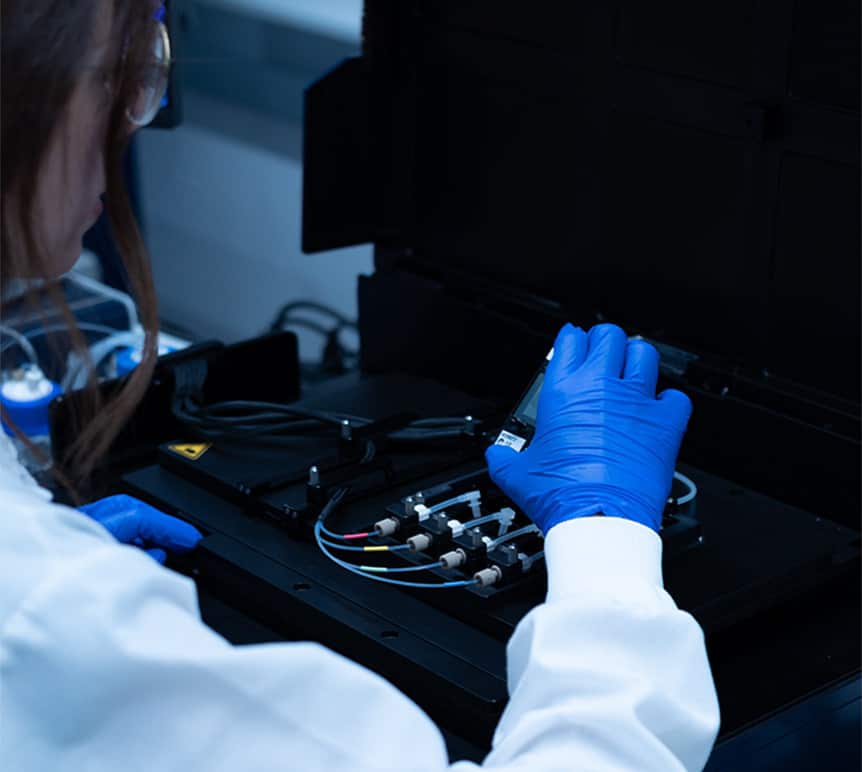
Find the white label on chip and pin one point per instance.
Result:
(509, 440)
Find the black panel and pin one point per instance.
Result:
(337, 123)
(493, 353)
(674, 245)
(482, 198)
(825, 59)
(576, 26)
(814, 317)
(825, 725)
(698, 40)
(633, 174)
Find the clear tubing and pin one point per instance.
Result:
(109, 292)
(40, 331)
(25, 344)
(513, 535)
(502, 517)
(527, 562)
(76, 376)
(465, 498)
(692, 488)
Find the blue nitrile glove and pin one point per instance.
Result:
(131, 521)
(604, 444)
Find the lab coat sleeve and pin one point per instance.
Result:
(608, 674)
(106, 665)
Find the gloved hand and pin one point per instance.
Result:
(604, 444)
(132, 521)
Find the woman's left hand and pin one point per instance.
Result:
(132, 521)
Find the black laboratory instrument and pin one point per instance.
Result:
(685, 171)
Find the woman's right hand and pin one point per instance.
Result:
(604, 443)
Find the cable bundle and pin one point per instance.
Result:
(274, 423)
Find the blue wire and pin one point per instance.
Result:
(348, 548)
(331, 534)
(354, 570)
(410, 568)
(388, 570)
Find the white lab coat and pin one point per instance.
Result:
(106, 665)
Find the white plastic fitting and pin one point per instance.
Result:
(453, 559)
(488, 576)
(419, 542)
(386, 527)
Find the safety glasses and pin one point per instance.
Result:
(152, 82)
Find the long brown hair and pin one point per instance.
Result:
(44, 47)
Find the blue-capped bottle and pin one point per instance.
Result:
(26, 393)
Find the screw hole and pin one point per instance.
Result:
(300, 586)
(389, 634)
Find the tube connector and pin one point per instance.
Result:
(453, 559)
(488, 576)
(387, 526)
(420, 542)
(346, 431)
(507, 515)
(469, 426)
(527, 561)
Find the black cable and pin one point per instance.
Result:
(253, 407)
(270, 421)
(333, 502)
(309, 305)
(261, 422)
(425, 436)
(336, 358)
(307, 323)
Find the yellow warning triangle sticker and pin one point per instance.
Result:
(191, 451)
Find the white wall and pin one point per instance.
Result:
(336, 18)
(221, 207)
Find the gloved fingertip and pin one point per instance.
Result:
(567, 333)
(498, 457)
(603, 330)
(605, 336)
(642, 366)
(678, 403)
(570, 350)
(167, 531)
(607, 349)
(160, 556)
(91, 510)
(184, 537)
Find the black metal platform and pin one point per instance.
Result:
(770, 585)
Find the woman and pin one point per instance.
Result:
(104, 662)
